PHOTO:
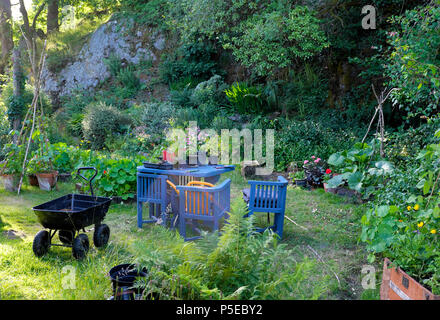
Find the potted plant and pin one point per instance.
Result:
(31, 170)
(43, 169)
(11, 167)
(327, 176)
(314, 169)
(299, 178)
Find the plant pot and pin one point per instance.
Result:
(64, 177)
(11, 182)
(47, 181)
(301, 182)
(123, 278)
(397, 285)
(331, 190)
(33, 180)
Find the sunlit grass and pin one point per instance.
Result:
(327, 223)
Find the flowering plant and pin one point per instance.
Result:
(328, 174)
(407, 232)
(314, 168)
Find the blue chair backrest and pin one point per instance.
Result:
(151, 187)
(205, 201)
(268, 196)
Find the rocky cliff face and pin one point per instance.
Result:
(89, 69)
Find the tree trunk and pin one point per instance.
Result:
(52, 16)
(17, 82)
(5, 33)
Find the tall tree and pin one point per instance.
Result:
(5, 33)
(52, 16)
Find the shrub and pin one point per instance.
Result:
(298, 140)
(156, 118)
(277, 38)
(210, 91)
(194, 60)
(4, 128)
(246, 99)
(101, 120)
(129, 80)
(413, 60)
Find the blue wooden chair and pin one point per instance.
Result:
(208, 204)
(151, 188)
(270, 197)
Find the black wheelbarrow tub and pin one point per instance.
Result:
(72, 212)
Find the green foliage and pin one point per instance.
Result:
(195, 60)
(238, 264)
(403, 144)
(16, 106)
(404, 223)
(102, 120)
(246, 99)
(63, 47)
(151, 12)
(4, 128)
(413, 61)
(129, 81)
(360, 167)
(13, 163)
(210, 92)
(277, 38)
(157, 117)
(298, 140)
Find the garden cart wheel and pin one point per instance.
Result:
(80, 246)
(41, 243)
(101, 235)
(66, 236)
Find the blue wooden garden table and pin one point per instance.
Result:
(210, 173)
(181, 176)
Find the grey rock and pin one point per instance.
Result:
(89, 69)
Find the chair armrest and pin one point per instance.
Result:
(282, 180)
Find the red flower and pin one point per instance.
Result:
(328, 171)
(105, 172)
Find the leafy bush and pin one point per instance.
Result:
(194, 60)
(298, 140)
(246, 99)
(129, 81)
(4, 127)
(413, 61)
(14, 159)
(101, 120)
(156, 118)
(402, 145)
(404, 227)
(277, 38)
(360, 167)
(210, 92)
(238, 264)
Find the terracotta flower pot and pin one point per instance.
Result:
(397, 285)
(33, 180)
(331, 190)
(11, 182)
(47, 181)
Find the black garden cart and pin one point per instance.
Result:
(69, 215)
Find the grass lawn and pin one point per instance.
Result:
(327, 229)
